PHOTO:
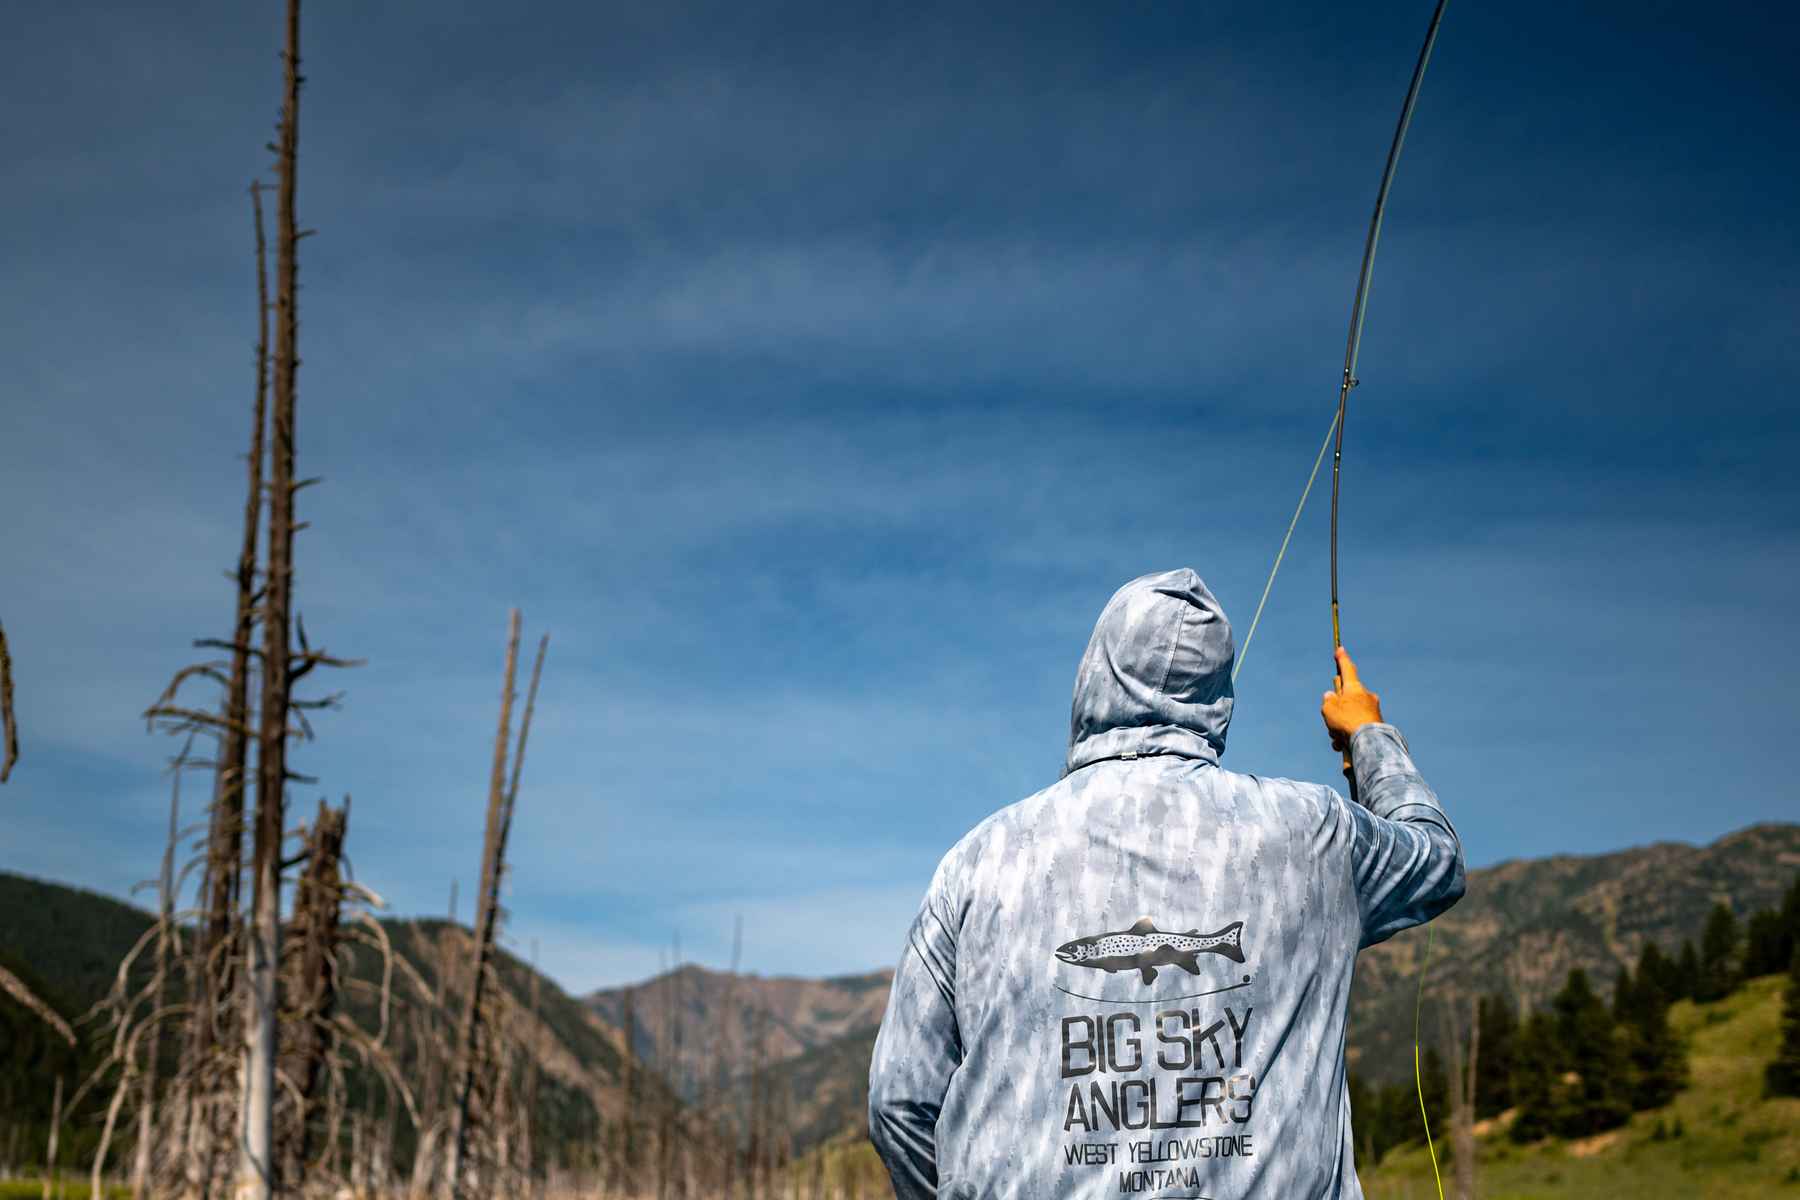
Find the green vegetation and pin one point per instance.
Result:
(69, 1184)
(1578, 1069)
(1720, 1137)
(1718, 955)
(1782, 1077)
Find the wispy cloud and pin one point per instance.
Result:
(814, 380)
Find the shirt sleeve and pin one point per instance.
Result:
(917, 1050)
(1407, 859)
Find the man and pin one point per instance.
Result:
(1134, 983)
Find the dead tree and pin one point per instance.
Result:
(256, 1167)
(529, 1091)
(281, 668)
(433, 1050)
(166, 933)
(473, 1083)
(310, 986)
(205, 1091)
(1462, 1097)
(627, 1162)
(7, 722)
(727, 1064)
(216, 947)
(56, 1117)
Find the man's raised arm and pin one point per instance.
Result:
(1407, 858)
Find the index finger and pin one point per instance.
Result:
(1347, 669)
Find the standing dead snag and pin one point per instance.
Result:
(256, 1168)
(310, 986)
(209, 1080)
(1462, 1097)
(475, 1040)
(56, 1118)
(11, 726)
(165, 938)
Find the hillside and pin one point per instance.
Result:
(1719, 1139)
(699, 1026)
(66, 944)
(71, 938)
(1525, 923)
(1520, 928)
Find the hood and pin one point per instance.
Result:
(1156, 677)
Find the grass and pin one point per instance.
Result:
(1719, 1139)
(70, 1184)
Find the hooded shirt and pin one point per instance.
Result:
(1135, 982)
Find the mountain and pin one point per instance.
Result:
(699, 1027)
(1525, 923)
(1522, 925)
(66, 944)
(1721, 1138)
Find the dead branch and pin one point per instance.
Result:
(14, 987)
(6, 709)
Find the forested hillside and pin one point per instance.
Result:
(66, 944)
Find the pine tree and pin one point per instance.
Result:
(1774, 935)
(1536, 1080)
(1399, 1116)
(1655, 1057)
(1499, 1042)
(1362, 1121)
(1764, 953)
(1434, 1082)
(1782, 1077)
(1661, 970)
(1622, 994)
(1599, 1098)
(1687, 983)
(1718, 976)
(1790, 912)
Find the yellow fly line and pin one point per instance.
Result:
(1418, 1077)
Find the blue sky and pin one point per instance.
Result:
(813, 373)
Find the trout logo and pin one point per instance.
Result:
(1144, 947)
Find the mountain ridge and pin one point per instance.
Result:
(701, 1032)
(1520, 928)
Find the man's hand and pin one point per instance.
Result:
(1348, 707)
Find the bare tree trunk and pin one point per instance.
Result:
(214, 958)
(502, 796)
(56, 1116)
(256, 1176)
(95, 1189)
(1462, 1099)
(728, 1064)
(165, 888)
(628, 1117)
(433, 1048)
(8, 725)
(310, 984)
(528, 1105)
(490, 866)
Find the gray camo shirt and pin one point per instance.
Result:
(1134, 983)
